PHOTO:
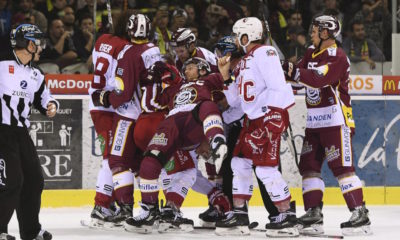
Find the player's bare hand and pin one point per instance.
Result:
(51, 109)
(224, 64)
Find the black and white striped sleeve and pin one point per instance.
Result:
(43, 97)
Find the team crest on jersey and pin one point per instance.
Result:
(331, 153)
(271, 52)
(185, 96)
(313, 96)
(120, 71)
(3, 175)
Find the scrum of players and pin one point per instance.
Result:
(158, 117)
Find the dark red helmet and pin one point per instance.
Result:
(182, 37)
(138, 26)
(329, 23)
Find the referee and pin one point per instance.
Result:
(21, 86)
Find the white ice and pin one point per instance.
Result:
(64, 224)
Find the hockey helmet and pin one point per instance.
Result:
(224, 46)
(138, 26)
(182, 37)
(329, 23)
(250, 26)
(201, 64)
(24, 33)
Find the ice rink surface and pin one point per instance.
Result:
(64, 224)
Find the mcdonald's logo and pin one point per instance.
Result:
(391, 85)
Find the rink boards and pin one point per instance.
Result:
(70, 154)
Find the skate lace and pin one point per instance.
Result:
(356, 214)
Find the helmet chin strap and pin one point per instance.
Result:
(32, 53)
(320, 42)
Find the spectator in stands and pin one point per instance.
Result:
(162, 35)
(296, 43)
(295, 19)
(58, 6)
(5, 26)
(179, 17)
(278, 21)
(60, 48)
(377, 21)
(83, 38)
(68, 18)
(27, 8)
(191, 14)
(359, 48)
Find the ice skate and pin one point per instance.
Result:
(43, 235)
(210, 217)
(144, 222)
(99, 216)
(311, 223)
(5, 236)
(115, 221)
(283, 225)
(235, 223)
(171, 220)
(358, 223)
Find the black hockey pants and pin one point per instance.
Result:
(21, 181)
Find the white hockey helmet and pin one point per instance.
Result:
(138, 26)
(250, 26)
(329, 23)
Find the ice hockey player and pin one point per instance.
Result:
(105, 55)
(264, 97)
(183, 43)
(22, 85)
(133, 62)
(232, 117)
(192, 116)
(324, 71)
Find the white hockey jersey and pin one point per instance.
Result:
(260, 83)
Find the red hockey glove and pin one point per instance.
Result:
(100, 98)
(218, 200)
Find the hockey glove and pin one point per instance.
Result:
(291, 71)
(218, 200)
(100, 98)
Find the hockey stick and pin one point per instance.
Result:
(252, 226)
(266, 22)
(110, 21)
(288, 137)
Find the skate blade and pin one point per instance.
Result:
(233, 231)
(281, 233)
(314, 229)
(142, 229)
(357, 231)
(207, 224)
(169, 228)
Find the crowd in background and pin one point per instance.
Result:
(71, 31)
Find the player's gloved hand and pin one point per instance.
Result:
(291, 71)
(171, 76)
(156, 71)
(100, 98)
(218, 200)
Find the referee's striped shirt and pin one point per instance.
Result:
(21, 86)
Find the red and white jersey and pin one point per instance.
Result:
(133, 62)
(201, 53)
(326, 76)
(105, 54)
(260, 83)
